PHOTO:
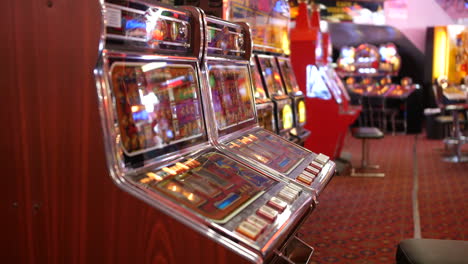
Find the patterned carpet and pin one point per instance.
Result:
(361, 220)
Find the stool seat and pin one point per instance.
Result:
(432, 251)
(367, 133)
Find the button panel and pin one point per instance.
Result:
(306, 173)
(312, 170)
(287, 195)
(259, 222)
(316, 165)
(277, 203)
(322, 159)
(249, 230)
(268, 213)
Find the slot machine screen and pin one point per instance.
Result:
(259, 92)
(289, 77)
(271, 76)
(231, 94)
(158, 107)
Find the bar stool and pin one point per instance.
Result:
(457, 139)
(432, 251)
(366, 133)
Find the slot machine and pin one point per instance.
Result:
(284, 113)
(227, 75)
(269, 21)
(297, 97)
(328, 103)
(265, 107)
(159, 142)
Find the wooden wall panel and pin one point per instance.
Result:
(58, 202)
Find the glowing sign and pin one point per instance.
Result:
(301, 110)
(287, 117)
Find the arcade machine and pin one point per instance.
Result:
(293, 90)
(265, 107)
(228, 84)
(157, 135)
(382, 100)
(331, 117)
(274, 87)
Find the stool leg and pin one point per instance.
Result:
(361, 172)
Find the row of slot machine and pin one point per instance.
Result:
(280, 103)
(182, 132)
(368, 71)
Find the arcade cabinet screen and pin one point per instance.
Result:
(316, 87)
(232, 99)
(272, 76)
(333, 87)
(289, 77)
(157, 105)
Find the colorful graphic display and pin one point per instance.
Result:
(366, 59)
(271, 76)
(230, 90)
(301, 111)
(269, 20)
(450, 57)
(289, 78)
(157, 104)
(260, 93)
(332, 86)
(286, 116)
(266, 119)
(211, 184)
(264, 148)
(316, 87)
(390, 61)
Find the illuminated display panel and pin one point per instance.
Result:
(367, 59)
(301, 111)
(340, 84)
(264, 147)
(269, 20)
(211, 184)
(157, 105)
(332, 86)
(259, 92)
(390, 61)
(286, 117)
(316, 87)
(231, 94)
(271, 76)
(288, 76)
(266, 119)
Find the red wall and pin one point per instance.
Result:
(58, 202)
